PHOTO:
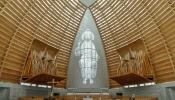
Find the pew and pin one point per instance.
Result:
(74, 97)
(138, 98)
(103, 97)
(95, 97)
(80, 97)
(37, 98)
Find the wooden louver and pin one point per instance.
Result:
(54, 23)
(122, 22)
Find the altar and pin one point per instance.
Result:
(87, 98)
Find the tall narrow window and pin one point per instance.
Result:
(89, 57)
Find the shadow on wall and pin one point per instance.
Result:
(4, 93)
(30, 93)
(170, 91)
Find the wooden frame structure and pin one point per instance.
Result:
(122, 22)
(55, 23)
(52, 22)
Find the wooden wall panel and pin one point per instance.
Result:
(100, 13)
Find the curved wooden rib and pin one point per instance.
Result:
(54, 23)
(151, 21)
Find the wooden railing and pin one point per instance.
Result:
(38, 63)
(138, 63)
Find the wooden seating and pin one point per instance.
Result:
(147, 98)
(139, 98)
(105, 97)
(38, 98)
(80, 97)
(74, 97)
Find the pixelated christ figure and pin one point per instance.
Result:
(89, 57)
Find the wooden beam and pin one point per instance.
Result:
(135, 22)
(37, 28)
(5, 6)
(16, 30)
(160, 33)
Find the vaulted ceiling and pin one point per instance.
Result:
(55, 23)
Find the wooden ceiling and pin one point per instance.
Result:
(55, 23)
(121, 22)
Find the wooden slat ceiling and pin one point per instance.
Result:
(55, 23)
(121, 22)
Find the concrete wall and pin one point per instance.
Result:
(164, 91)
(16, 90)
(75, 79)
(4, 93)
(170, 93)
(88, 2)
